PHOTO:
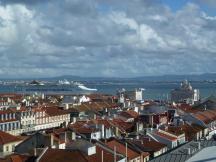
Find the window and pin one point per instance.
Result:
(13, 147)
(7, 148)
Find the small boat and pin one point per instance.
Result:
(63, 82)
(36, 83)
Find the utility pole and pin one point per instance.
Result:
(102, 156)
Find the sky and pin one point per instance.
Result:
(106, 38)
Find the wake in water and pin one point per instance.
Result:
(86, 88)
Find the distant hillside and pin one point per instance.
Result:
(201, 77)
(163, 78)
(167, 78)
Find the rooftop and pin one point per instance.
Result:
(7, 138)
(163, 135)
(179, 154)
(129, 114)
(58, 155)
(121, 148)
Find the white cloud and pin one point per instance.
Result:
(107, 38)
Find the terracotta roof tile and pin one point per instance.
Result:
(129, 114)
(58, 155)
(203, 118)
(107, 156)
(15, 158)
(123, 126)
(120, 148)
(150, 144)
(54, 111)
(7, 138)
(165, 136)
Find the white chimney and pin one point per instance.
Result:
(103, 130)
(65, 136)
(66, 106)
(51, 140)
(73, 136)
(95, 116)
(43, 96)
(74, 120)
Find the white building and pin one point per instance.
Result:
(8, 121)
(8, 142)
(185, 93)
(50, 117)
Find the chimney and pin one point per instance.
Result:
(66, 106)
(103, 131)
(187, 151)
(51, 140)
(35, 151)
(74, 120)
(73, 136)
(43, 96)
(137, 127)
(117, 131)
(95, 116)
(65, 136)
(198, 145)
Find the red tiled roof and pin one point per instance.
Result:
(82, 127)
(59, 130)
(187, 108)
(120, 148)
(162, 135)
(22, 109)
(8, 120)
(175, 130)
(8, 111)
(123, 126)
(129, 114)
(95, 106)
(85, 130)
(209, 114)
(54, 111)
(77, 124)
(58, 155)
(105, 122)
(107, 156)
(203, 118)
(15, 158)
(149, 143)
(7, 138)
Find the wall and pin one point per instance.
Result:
(29, 144)
(10, 146)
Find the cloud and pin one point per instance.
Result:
(104, 38)
(28, 2)
(210, 3)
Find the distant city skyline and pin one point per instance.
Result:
(106, 38)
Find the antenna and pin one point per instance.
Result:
(126, 151)
(114, 153)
